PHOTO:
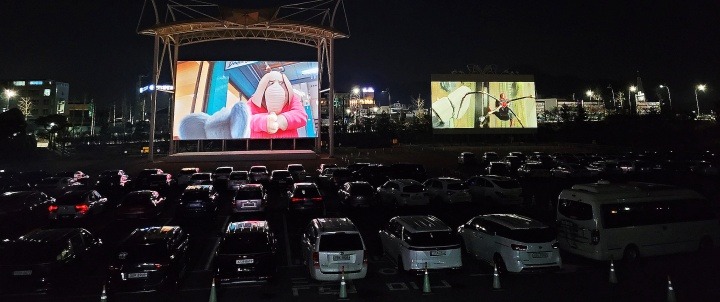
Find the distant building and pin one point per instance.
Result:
(46, 96)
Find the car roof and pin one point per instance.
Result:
(406, 181)
(199, 188)
(250, 226)
(422, 223)
(334, 225)
(305, 184)
(152, 234)
(190, 169)
(514, 221)
(49, 235)
(448, 179)
(250, 187)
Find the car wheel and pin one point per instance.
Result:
(500, 263)
(631, 254)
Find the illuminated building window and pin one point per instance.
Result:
(19, 83)
(46, 92)
(36, 83)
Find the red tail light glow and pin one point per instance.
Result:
(295, 199)
(82, 208)
(316, 259)
(317, 199)
(52, 208)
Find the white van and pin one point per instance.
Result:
(418, 242)
(604, 221)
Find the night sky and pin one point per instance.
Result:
(570, 46)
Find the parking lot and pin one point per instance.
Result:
(693, 278)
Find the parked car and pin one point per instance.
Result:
(374, 174)
(420, 242)
(55, 186)
(340, 177)
(22, 211)
(513, 162)
(403, 192)
(249, 198)
(222, 173)
(144, 204)
(44, 261)
(201, 179)
(198, 200)
(324, 179)
(305, 196)
(467, 159)
(246, 253)
(494, 190)
(604, 168)
(356, 194)
(408, 171)
(76, 205)
(512, 242)
(150, 259)
(333, 245)
(571, 171)
(280, 180)
(237, 179)
(497, 168)
(109, 181)
(141, 180)
(158, 182)
(447, 190)
(183, 178)
(534, 169)
(11, 184)
(77, 175)
(325, 166)
(356, 166)
(259, 174)
(297, 171)
(32, 178)
(490, 156)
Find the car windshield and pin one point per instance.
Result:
(188, 172)
(238, 176)
(362, 189)
(136, 200)
(507, 184)
(258, 170)
(223, 170)
(430, 239)
(70, 198)
(244, 243)
(146, 253)
(415, 188)
(248, 194)
(306, 192)
(202, 176)
(281, 174)
(32, 253)
(532, 235)
(295, 168)
(456, 186)
(340, 242)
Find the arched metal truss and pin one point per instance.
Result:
(311, 23)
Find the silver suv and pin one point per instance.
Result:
(331, 246)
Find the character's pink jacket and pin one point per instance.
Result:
(293, 111)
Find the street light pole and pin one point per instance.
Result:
(669, 98)
(632, 89)
(700, 87)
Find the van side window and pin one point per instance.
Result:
(575, 209)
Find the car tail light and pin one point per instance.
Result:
(317, 199)
(52, 208)
(595, 237)
(82, 208)
(295, 199)
(519, 247)
(555, 245)
(158, 265)
(316, 259)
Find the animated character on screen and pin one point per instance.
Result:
(276, 110)
(502, 109)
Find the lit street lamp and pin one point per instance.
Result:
(700, 87)
(630, 90)
(668, 91)
(8, 95)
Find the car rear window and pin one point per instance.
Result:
(430, 239)
(200, 177)
(258, 170)
(340, 242)
(71, 198)
(248, 194)
(295, 168)
(281, 174)
(135, 200)
(413, 189)
(306, 192)
(533, 235)
(507, 184)
(342, 173)
(456, 186)
(223, 170)
(362, 189)
(575, 209)
(238, 176)
(245, 243)
(151, 253)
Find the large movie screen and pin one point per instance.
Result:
(245, 99)
(483, 104)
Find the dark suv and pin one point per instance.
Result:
(198, 200)
(150, 259)
(305, 196)
(45, 261)
(246, 253)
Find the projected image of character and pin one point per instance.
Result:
(502, 110)
(276, 110)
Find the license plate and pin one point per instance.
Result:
(539, 255)
(137, 275)
(195, 205)
(248, 205)
(22, 273)
(437, 253)
(244, 261)
(341, 257)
